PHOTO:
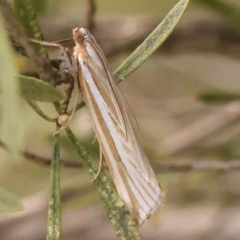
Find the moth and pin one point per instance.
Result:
(128, 165)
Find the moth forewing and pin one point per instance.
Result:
(129, 167)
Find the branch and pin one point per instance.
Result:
(209, 165)
(206, 165)
(42, 64)
(47, 161)
(44, 161)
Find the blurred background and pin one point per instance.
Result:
(185, 98)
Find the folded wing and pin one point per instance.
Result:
(128, 165)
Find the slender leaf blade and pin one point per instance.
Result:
(9, 202)
(152, 42)
(38, 90)
(38, 110)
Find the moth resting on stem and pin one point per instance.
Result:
(129, 166)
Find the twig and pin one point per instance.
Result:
(42, 160)
(92, 7)
(42, 64)
(47, 161)
(203, 165)
(196, 165)
(207, 165)
(17, 47)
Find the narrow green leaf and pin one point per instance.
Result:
(9, 202)
(124, 226)
(27, 17)
(218, 97)
(11, 113)
(152, 42)
(38, 110)
(54, 210)
(38, 90)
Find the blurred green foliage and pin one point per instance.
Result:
(12, 116)
(218, 97)
(9, 202)
(228, 10)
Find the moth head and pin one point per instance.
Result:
(80, 34)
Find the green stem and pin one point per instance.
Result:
(54, 211)
(38, 110)
(124, 226)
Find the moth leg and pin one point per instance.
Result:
(59, 45)
(94, 139)
(99, 166)
(65, 125)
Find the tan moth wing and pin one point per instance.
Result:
(129, 167)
